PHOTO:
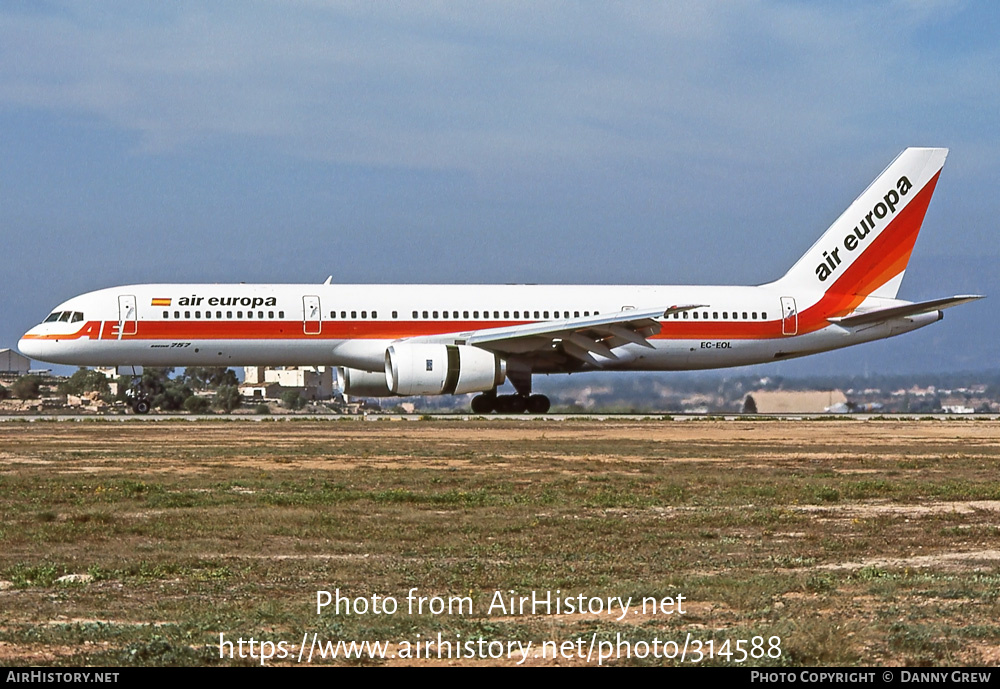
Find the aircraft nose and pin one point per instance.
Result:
(29, 347)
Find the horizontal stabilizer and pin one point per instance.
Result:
(878, 315)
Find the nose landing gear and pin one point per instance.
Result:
(136, 397)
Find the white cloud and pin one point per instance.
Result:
(479, 86)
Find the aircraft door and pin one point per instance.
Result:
(128, 317)
(312, 316)
(789, 316)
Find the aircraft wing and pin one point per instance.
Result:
(580, 338)
(901, 311)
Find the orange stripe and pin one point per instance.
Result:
(883, 260)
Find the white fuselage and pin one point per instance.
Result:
(352, 325)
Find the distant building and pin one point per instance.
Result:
(13, 363)
(797, 401)
(312, 382)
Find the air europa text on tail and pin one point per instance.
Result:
(884, 208)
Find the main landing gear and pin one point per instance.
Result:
(510, 404)
(523, 401)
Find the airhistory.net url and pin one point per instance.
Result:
(445, 647)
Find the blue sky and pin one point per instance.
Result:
(575, 142)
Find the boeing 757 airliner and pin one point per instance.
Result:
(456, 339)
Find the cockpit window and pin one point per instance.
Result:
(64, 317)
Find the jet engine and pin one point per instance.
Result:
(354, 381)
(438, 369)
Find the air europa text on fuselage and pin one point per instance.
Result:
(252, 302)
(884, 208)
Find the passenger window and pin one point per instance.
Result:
(754, 315)
(218, 314)
(229, 314)
(545, 314)
(375, 314)
(506, 314)
(435, 314)
(364, 314)
(166, 314)
(208, 314)
(354, 315)
(744, 315)
(465, 314)
(187, 314)
(281, 314)
(763, 315)
(197, 314)
(715, 315)
(270, 314)
(694, 315)
(414, 314)
(425, 314)
(517, 314)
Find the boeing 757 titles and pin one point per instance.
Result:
(456, 339)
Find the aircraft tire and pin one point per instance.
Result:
(141, 407)
(538, 404)
(483, 404)
(518, 404)
(504, 404)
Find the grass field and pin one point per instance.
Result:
(853, 542)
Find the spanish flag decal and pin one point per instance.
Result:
(161, 302)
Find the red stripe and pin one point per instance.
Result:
(384, 330)
(883, 260)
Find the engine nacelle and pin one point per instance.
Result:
(354, 381)
(438, 369)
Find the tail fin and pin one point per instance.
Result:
(865, 252)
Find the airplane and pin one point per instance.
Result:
(401, 340)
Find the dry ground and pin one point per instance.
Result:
(854, 542)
